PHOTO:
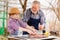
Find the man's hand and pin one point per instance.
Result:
(32, 29)
(41, 27)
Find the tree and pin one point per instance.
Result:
(23, 4)
(56, 10)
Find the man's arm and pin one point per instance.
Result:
(42, 20)
(26, 15)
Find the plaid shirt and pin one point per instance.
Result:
(14, 24)
(28, 14)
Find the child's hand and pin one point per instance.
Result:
(31, 29)
(30, 32)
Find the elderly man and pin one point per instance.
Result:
(34, 16)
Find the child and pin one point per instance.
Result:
(15, 23)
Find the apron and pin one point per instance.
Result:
(32, 22)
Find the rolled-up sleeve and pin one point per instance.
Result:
(42, 18)
(26, 16)
(23, 24)
(42, 21)
(13, 25)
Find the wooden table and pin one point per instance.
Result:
(27, 38)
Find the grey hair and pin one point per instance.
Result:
(36, 2)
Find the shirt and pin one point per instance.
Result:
(14, 24)
(27, 15)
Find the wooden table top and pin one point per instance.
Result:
(28, 38)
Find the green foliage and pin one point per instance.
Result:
(1, 31)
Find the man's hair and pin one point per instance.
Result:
(36, 2)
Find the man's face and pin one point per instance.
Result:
(35, 7)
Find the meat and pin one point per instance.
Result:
(37, 35)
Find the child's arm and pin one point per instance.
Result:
(27, 27)
(31, 28)
(27, 30)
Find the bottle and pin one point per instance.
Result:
(43, 31)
